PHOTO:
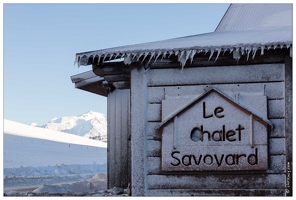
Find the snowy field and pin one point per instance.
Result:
(45, 162)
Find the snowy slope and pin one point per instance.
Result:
(18, 129)
(35, 156)
(90, 125)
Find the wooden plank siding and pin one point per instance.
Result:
(216, 75)
(217, 192)
(118, 152)
(288, 124)
(268, 79)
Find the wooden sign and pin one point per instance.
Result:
(215, 132)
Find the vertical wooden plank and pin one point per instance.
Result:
(110, 141)
(139, 96)
(288, 124)
(124, 138)
(118, 131)
(117, 134)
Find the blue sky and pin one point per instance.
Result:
(40, 42)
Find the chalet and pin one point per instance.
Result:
(202, 115)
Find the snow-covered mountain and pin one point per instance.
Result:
(45, 162)
(92, 125)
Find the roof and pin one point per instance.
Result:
(242, 106)
(255, 16)
(271, 30)
(90, 82)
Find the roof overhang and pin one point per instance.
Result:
(90, 82)
(242, 42)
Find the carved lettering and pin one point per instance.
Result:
(209, 134)
(218, 135)
(208, 159)
(172, 154)
(217, 112)
(204, 111)
(230, 161)
(219, 161)
(199, 159)
(186, 158)
(253, 158)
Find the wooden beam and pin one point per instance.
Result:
(117, 78)
(111, 69)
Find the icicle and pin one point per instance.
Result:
(269, 47)
(212, 52)
(218, 53)
(180, 55)
(262, 50)
(200, 51)
(187, 53)
(192, 54)
(254, 50)
(288, 46)
(187, 56)
(242, 50)
(128, 59)
(134, 55)
(146, 54)
(116, 55)
(224, 50)
(159, 53)
(176, 52)
(111, 55)
(105, 57)
(183, 57)
(248, 51)
(291, 51)
(274, 46)
(206, 51)
(236, 54)
(95, 55)
(152, 54)
(99, 57)
(122, 55)
(282, 45)
(163, 55)
(171, 52)
(139, 56)
(230, 50)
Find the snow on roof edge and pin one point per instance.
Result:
(243, 42)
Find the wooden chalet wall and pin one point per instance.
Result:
(150, 86)
(118, 151)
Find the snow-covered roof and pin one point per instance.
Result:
(253, 16)
(275, 31)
